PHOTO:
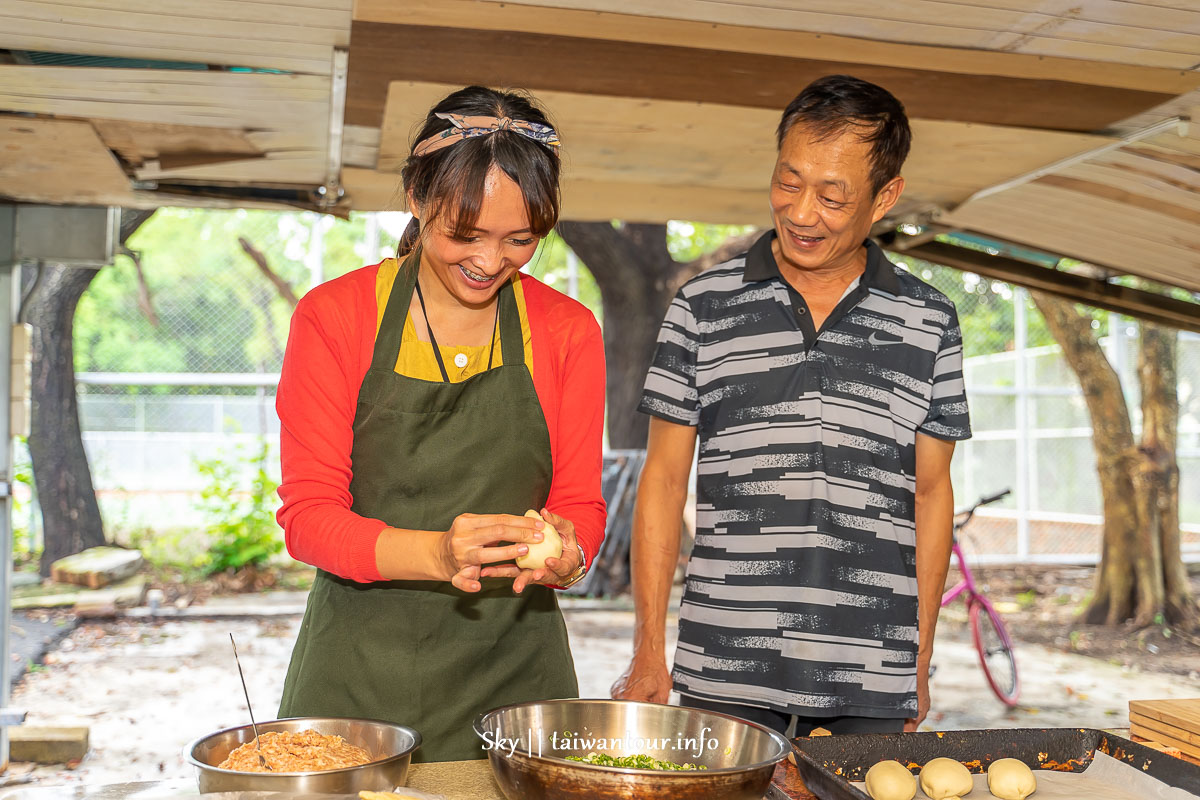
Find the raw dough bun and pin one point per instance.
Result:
(1010, 779)
(889, 780)
(944, 778)
(549, 547)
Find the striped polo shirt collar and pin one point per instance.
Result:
(879, 273)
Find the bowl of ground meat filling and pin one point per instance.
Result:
(336, 755)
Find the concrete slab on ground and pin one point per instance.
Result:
(128, 592)
(34, 634)
(97, 567)
(270, 604)
(47, 744)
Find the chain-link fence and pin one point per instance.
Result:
(178, 361)
(178, 353)
(1032, 431)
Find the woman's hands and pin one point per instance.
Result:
(475, 541)
(557, 570)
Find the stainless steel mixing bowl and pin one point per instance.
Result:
(527, 745)
(391, 746)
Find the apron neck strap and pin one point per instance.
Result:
(512, 338)
(391, 327)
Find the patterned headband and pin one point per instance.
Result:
(462, 127)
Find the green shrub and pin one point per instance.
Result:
(26, 547)
(183, 550)
(242, 519)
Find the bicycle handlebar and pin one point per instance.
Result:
(985, 501)
(967, 514)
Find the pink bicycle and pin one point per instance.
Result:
(987, 629)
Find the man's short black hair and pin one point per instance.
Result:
(831, 105)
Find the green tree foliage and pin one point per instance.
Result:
(687, 241)
(985, 307)
(26, 545)
(217, 312)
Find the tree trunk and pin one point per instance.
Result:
(1117, 595)
(637, 279)
(636, 276)
(1157, 361)
(70, 514)
(1140, 486)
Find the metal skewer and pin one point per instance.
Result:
(246, 691)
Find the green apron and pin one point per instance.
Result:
(423, 653)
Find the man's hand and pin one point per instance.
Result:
(913, 723)
(654, 551)
(934, 518)
(646, 679)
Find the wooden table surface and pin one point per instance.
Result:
(457, 780)
(472, 780)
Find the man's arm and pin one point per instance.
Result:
(935, 526)
(654, 552)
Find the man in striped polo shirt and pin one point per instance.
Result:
(825, 387)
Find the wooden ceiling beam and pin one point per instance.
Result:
(58, 161)
(1129, 238)
(712, 148)
(737, 28)
(1149, 306)
(381, 53)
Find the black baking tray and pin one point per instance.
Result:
(829, 763)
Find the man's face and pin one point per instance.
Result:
(822, 203)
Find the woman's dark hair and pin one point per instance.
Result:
(836, 103)
(451, 180)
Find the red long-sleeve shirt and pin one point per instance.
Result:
(329, 350)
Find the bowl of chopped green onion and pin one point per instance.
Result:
(597, 749)
(639, 761)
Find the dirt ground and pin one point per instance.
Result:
(1041, 606)
(145, 688)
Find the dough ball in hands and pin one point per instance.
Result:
(890, 780)
(1010, 779)
(945, 778)
(549, 547)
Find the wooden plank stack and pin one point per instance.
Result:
(1175, 723)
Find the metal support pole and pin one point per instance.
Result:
(330, 193)
(82, 236)
(10, 285)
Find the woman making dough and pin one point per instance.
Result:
(426, 402)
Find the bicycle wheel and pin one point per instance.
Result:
(995, 651)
